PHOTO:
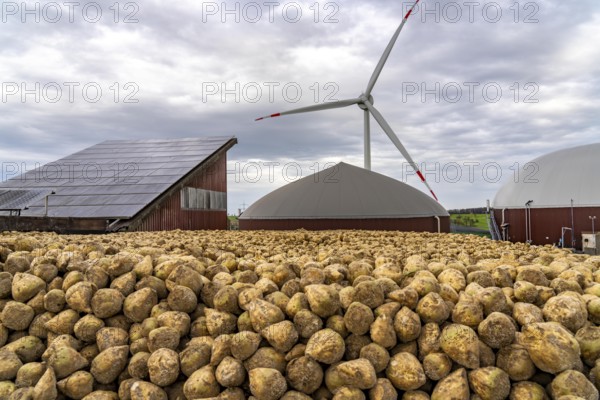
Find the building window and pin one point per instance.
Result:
(202, 199)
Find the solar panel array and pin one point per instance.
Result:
(113, 179)
(17, 200)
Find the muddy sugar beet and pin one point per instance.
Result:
(295, 315)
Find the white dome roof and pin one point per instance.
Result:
(554, 179)
(344, 192)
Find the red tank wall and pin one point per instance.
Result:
(546, 223)
(389, 224)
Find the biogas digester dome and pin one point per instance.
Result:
(346, 197)
(554, 193)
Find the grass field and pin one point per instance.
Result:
(470, 220)
(233, 222)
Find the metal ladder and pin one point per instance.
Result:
(493, 226)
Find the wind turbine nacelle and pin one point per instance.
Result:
(370, 98)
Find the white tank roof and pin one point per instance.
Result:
(344, 192)
(554, 179)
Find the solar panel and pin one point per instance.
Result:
(112, 179)
(12, 200)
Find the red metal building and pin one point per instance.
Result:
(554, 199)
(116, 185)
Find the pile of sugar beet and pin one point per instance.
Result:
(295, 315)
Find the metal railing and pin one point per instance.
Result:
(12, 212)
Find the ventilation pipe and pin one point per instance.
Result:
(528, 221)
(504, 224)
(46, 203)
(573, 240)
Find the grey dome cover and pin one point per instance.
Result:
(344, 192)
(552, 180)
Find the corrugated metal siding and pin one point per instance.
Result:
(388, 224)
(170, 216)
(546, 223)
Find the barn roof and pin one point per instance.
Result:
(552, 180)
(344, 192)
(112, 179)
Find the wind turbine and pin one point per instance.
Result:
(365, 102)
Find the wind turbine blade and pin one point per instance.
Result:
(387, 52)
(390, 132)
(316, 107)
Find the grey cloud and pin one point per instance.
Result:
(177, 52)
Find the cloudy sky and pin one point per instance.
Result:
(473, 89)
